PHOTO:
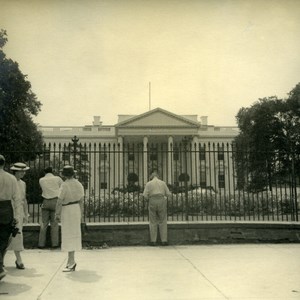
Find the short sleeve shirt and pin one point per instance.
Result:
(50, 185)
(71, 190)
(156, 187)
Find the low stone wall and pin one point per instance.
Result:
(181, 233)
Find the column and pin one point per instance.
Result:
(170, 160)
(145, 159)
(195, 159)
(120, 162)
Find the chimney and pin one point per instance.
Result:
(96, 121)
(203, 120)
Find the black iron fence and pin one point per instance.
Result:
(208, 182)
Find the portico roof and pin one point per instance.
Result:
(158, 117)
(157, 122)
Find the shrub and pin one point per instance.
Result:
(199, 202)
(117, 204)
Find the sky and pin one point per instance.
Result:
(202, 57)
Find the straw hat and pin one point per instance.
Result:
(68, 171)
(19, 167)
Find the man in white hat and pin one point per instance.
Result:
(9, 197)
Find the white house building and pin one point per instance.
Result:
(173, 143)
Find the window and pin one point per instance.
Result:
(220, 152)
(202, 175)
(202, 153)
(46, 154)
(221, 181)
(84, 156)
(103, 156)
(153, 155)
(66, 155)
(103, 181)
(103, 185)
(176, 155)
(221, 166)
(221, 176)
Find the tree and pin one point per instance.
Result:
(20, 139)
(270, 131)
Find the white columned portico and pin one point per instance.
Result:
(170, 159)
(145, 160)
(120, 161)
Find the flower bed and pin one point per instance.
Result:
(195, 202)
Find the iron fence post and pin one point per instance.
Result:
(294, 191)
(185, 142)
(75, 141)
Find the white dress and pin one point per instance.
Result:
(71, 190)
(16, 243)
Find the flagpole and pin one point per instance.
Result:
(149, 95)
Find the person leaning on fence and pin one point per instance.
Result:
(17, 245)
(157, 192)
(69, 210)
(50, 185)
(10, 210)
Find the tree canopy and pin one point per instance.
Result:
(20, 138)
(270, 131)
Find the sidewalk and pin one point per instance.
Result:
(249, 271)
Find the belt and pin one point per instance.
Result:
(70, 203)
(156, 196)
(50, 198)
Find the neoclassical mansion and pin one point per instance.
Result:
(161, 129)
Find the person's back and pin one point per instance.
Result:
(72, 190)
(156, 187)
(156, 191)
(50, 185)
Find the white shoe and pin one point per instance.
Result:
(70, 268)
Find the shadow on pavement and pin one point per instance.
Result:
(13, 289)
(28, 272)
(84, 276)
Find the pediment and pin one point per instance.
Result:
(158, 118)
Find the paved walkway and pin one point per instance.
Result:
(251, 271)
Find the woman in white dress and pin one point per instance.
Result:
(69, 211)
(19, 169)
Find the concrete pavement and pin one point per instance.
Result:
(244, 271)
